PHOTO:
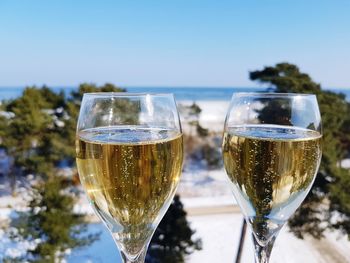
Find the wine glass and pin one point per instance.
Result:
(271, 151)
(129, 157)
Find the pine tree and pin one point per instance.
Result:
(73, 107)
(173, 239)
(327, 205)
(36, 138)
(32, 137)
(51, 222)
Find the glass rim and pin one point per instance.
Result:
(272, 94)
(128, 94)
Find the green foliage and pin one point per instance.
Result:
(275, 112)
(195, 109)
(172, 240)
(285, 77)
(202, 132)
(327, 205)
(39, 133)
(73, 107)
(36, 123)
(191, 114)
(212, 155)
(52, 221)
(90, 88)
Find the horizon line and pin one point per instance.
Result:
(149, 86)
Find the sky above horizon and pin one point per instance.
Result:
(171, 43)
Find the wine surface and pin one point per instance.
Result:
(130, 176)
(271, 169)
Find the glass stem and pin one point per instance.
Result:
(139, 259)
(262, 253)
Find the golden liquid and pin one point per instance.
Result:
(271, 169)
(130, 176)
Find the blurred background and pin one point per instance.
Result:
(51, 52)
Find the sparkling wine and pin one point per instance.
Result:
(271, 169)
(130, 175)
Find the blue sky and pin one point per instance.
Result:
(171, 43)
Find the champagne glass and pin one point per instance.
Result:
(271, 151)
(129, 157)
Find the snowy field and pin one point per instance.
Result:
(217, 221)
(213, 113)
(220, 235)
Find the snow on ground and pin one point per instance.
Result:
(345, 163)
(341, 242)
(11, 249)
(213, 113)
(209, 201)
(220, 236)
(5, 213)
(198, 182)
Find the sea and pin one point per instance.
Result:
(180, 93)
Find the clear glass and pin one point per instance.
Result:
(271, 151)
(129, 157)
